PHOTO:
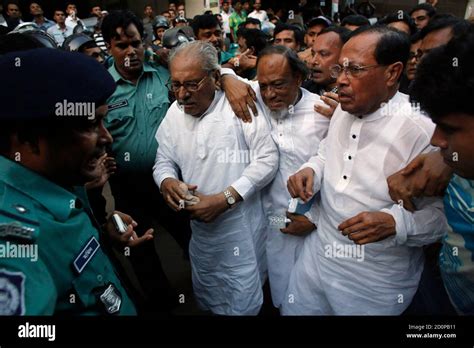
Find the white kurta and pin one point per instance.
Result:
(297, 136)
(216, 151)
(351, 170)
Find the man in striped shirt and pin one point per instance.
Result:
(444, 86)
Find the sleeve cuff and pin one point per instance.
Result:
(403, 222)
(244, 187)
(227, 71)
(162, 177)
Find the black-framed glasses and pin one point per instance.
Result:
(190, 86)
(350, 70)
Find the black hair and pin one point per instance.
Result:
(204, 22)
(415, 37)
(251, 20)
(430, 10)
(444, 82)
(298, 33)
(442, 21)
(395, 17)
(254, 38)
(119, 19)
(393, 45)
(297, 66)
(356, 20)
(344, 33)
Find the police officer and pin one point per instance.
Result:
(54, 258)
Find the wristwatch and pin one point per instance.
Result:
(230, 199)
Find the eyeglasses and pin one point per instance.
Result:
(190, 86)
(350, 70)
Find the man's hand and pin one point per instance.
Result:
(299, 225)
(301, 184)
(129, 238)
(368, 227)
(245, 61)
(427, 175)
(173, 194)
(241, 97)
(106, 166)
(209, 207)
(331, 100)
(306, 56)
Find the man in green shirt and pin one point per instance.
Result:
(136, 110)
(54, 257)
(236, 18)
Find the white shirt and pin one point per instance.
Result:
(297, 136)
(216, 151)
(351, 170)
(225, 21)
(71, 22)
(59, 34)
(260, 15)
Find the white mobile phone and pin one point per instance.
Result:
(119, 224)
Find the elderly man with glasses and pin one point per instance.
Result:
(214, 166)
(366, 257)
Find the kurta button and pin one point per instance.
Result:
(344, 177)
(99, 277)
(350, 157)
(354, 136)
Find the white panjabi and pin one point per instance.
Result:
(215, 151)
(351, 170)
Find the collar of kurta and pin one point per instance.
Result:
(117, 77)
(217, 96)
(53, 197)
(396, 102)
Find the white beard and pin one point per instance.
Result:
(278, 114)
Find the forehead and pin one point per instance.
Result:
(326, 41)
(131, 32)
(360, 49)
(206, 30)
(437, 38)
(272, 67)
(12, 7)
(58, 13)
(185, 66)
(316, 28)
(419, 13)
(285, 34)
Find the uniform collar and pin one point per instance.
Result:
(117, 77)
(56, 199)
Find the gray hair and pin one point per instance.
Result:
(203, 51)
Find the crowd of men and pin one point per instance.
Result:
(323, 165)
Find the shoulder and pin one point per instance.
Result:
(412, 115)
(18, 216)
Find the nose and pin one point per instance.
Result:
(342, 79)
(182, 93)
(438, 139)
(105, 138)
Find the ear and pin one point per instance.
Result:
(216, 75)
(393, 73)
